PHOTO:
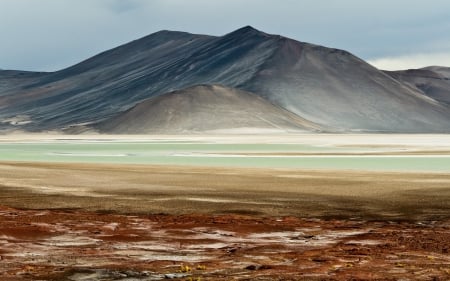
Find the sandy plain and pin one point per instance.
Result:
(181, 190)
(78, 221)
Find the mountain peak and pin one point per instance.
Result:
(248, 28)
(247, 31)
(169, 33)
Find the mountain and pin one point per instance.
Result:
(330, 88)
(433, 81)
(205, 108)
(443, 71)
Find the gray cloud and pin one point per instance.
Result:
(52, 34)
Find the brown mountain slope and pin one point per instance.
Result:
(205, 108)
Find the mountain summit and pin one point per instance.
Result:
(247, 31)
(328, 89)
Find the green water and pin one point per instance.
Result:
(197, 154)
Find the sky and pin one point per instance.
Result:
(48, 35)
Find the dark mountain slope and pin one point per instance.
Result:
(433, 81)
(326, 86)
(333, 87)
(13, 79)
(442, 70)
(102, 85)
(116, 80)
(205, 108)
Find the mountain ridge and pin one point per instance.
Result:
(433, 81)
(326, 86)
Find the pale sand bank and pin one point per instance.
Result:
(412, 140)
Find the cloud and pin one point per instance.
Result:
(412, 61)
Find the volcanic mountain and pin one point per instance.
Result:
(138, 86)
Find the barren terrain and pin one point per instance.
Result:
(80, 245)
(107, 221)
(182, 190)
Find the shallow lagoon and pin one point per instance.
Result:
(216, 154)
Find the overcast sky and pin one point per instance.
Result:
(49, 35)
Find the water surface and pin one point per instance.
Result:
(215, 154)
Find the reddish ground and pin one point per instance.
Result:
(79, 245)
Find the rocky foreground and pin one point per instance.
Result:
(81, 245)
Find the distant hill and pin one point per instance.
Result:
(433, 81)
(329, 88)
(205, 108)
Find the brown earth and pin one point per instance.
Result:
(80, 245)
(138, 222)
